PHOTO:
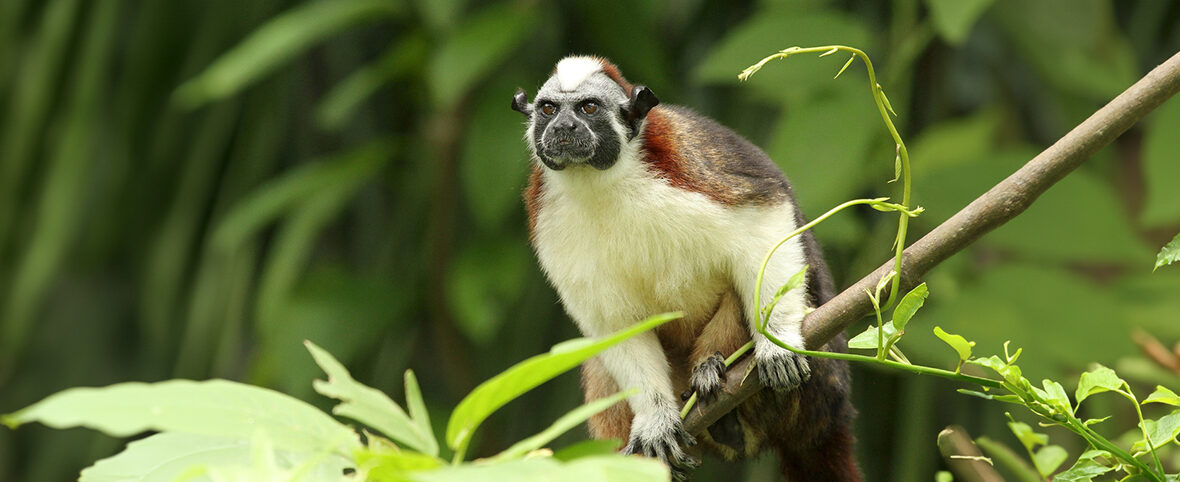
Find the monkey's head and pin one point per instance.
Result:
(584, 114)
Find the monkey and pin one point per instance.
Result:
(637, 208)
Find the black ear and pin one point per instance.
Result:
(520, 102)
(642, 100)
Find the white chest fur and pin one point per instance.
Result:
(621, 244)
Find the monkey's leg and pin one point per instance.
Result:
(721, 336)
(614, 422)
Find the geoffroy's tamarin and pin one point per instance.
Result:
(637, 209)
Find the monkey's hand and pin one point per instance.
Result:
(779, 368)
(661, 437)
(707, 377)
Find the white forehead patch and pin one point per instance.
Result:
(572, 71)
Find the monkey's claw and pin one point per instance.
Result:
(665, 445)
(781, 369)
(707, 377)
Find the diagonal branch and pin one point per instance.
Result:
(1003, 202)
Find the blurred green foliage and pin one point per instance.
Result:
(190, 188)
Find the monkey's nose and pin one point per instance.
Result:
(565, 125)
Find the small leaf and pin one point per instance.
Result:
(524, 376)
(1086, 468)
(368, 405)
(1049, 459)
(394, 465)
(568, 421)
(867, 340)
(1163, 431)
(885, 99)
(943, 476)
(845, 67)
(1169, 254)
(1026, 435)
(960, 344)
(1098, 380)
(1056, 396)
(1092, 421)
(988, 396)
(794, 282)
(909, 305)
(1163, 395)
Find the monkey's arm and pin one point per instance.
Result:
(656, 430)
(777, 367)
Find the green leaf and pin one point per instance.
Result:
(867, 340)
(943, 476)
(909, 305)
(1098, 380)
(1048, 459)
(1093, 421)
(494, 161)
(600, 468)
(213, 408)
(568, 421)
(474, 48)
(1163, 395)
(960, 344)
(368, 405)
(394, 466)
(988, 396)
(1169, 254)
(1161, 172)
(1086, 468)
(1163, 431)
(524, 376)
(794, 282)
(762, 34)
(277, 42)
(1030, 439)
(1055, 394)
(418, 412)
(168, 456)
(954, 18)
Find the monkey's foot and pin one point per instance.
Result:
(708, 376)
(663, 441)
(781, 369)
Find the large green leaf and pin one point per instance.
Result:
(166, 457)
(771, 30)
(369, 405)
(524, 376)
(1086, 468)
(477, 45)
(494, 161)
(215, 408)
(277, 42)
(909, 304)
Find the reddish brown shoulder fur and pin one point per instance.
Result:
(661, 150)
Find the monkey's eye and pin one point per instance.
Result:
(589, 108)
(548, 108)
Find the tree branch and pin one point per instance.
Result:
(1003, 202)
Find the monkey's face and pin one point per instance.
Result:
(577, 127)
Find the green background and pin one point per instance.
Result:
(189, 188)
